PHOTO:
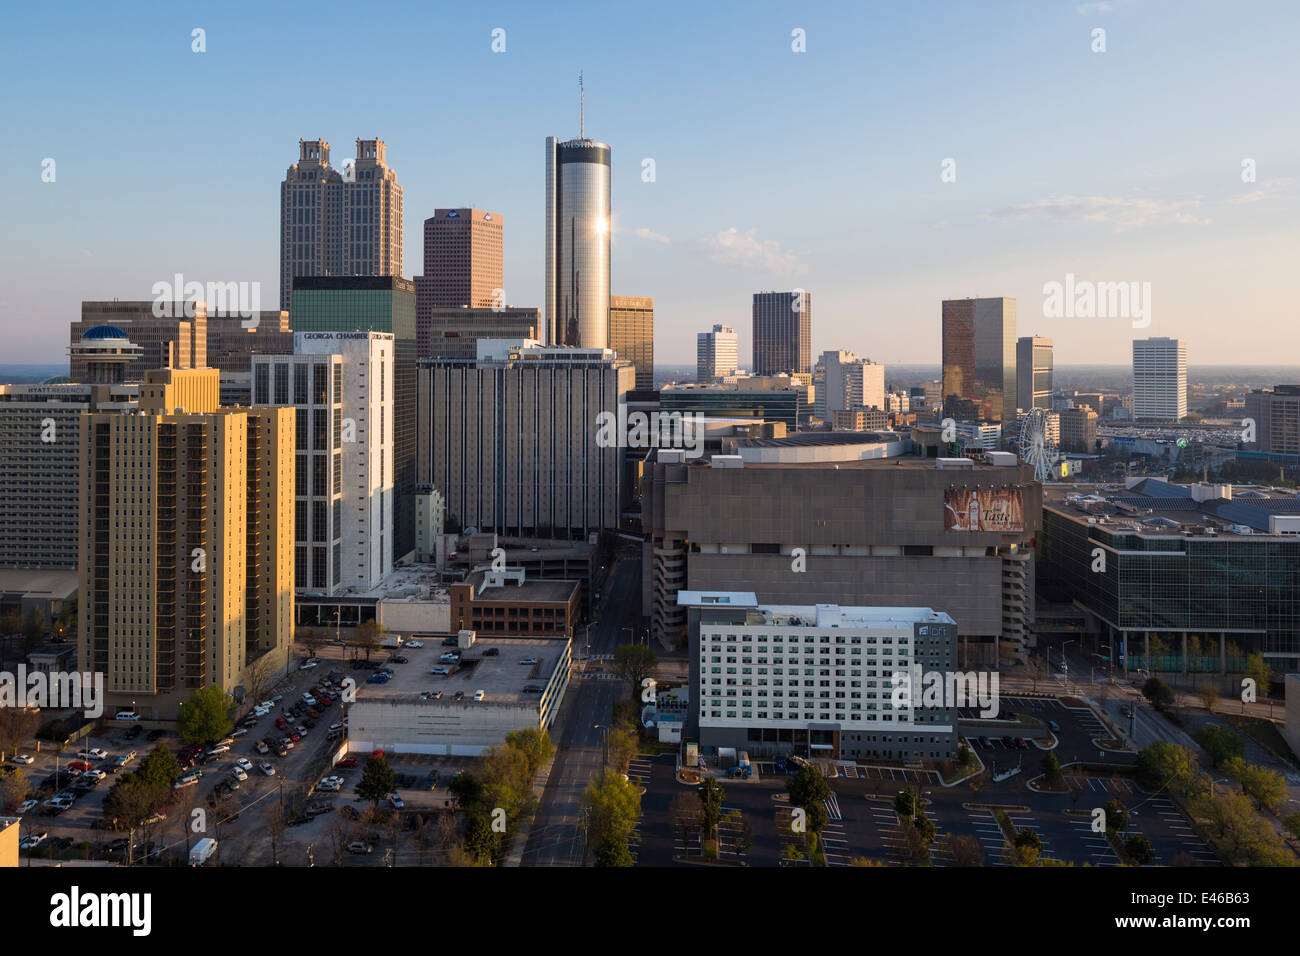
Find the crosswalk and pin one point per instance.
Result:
(833, 807)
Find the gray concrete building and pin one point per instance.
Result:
(510, 438)
(875, 525)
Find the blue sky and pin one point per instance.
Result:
(774, 169)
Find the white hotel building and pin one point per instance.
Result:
(815, 680)
(341, 384)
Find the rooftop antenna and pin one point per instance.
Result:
(581, 108)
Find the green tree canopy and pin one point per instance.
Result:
(206, 717)
(634, 663)
(377, 780)
(808, 787)
(159, 768)
(1220, 742)
(613, 807)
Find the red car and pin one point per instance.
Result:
(281, 723)
(79, 765)
(347, 763)
(294, 736)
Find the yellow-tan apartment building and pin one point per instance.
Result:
(186, 552)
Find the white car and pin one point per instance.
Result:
(528, 660)
(127, 715)
(308, 666)
(415, 644)
(243, 763)
(23, 759)
(396, 801)
(238, 773)
(331, 784)
(27, 805)
(309, 700)
(440, 671)
(32, 841)
(267, 769)
(479, 695)
(94, 775)
(242, 731)
(94, 754)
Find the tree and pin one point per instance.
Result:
(634, 663)
(1158, 692)
(965, 851)
(535, 744)
(132, 799)
(1209, 697)
(1116, 816)
(613, 808)
(1138, 848)
(1051, 767)
(906, 803)
(13, 787)
(33, 629)
(1028, 838)
(1256, 669)
(310, 638)
(623, 746)
(1266, 787)
(808, 787)
(17, 726)
(965, 756)
(467, 790)
(377, 780)
(1165, 764)
(206, 717)
(711, 797)
(1220, 742)
(368, 636)
(1021, 855)
(816, 817)
(1157, 647)
(1292, 824)
(1036, 669)
(159, 768)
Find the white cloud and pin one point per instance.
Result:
(1123, 214)
(735, 248)
(1269, 189)
(644, 233)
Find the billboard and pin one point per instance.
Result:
(983, 509)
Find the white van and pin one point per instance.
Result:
(127, 715)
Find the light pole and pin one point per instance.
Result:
(604, 735)
(1065, 664)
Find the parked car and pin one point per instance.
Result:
(1022, 743)
(449, 642)
(267, 769)
(347, 763)
(24, 759)
(1056, 728)
(27, 806)
(480, 694)
(441, 671)
(94, 754)
(33, 840)
(127, 715)
(528, 660)
(396, 801)
(398, 660)
(492, 652)
(1009, 741)
(239, 773)
(416, 645)
(359, 846)
(261, 747)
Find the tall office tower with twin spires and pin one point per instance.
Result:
(339, 222)
(577, 243)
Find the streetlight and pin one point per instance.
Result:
(604, 734)
(1065, 664)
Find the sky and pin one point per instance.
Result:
(911, 152)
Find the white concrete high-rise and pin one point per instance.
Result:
(341, 384)
(1159, 379)
(848, 382)
(717, 354)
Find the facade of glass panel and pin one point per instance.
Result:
(979, 359)
(577, 242)
(377, 304)
(1222, 590)
(782, 323)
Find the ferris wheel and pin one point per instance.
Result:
(1034, 447)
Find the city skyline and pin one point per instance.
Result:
(885, 229)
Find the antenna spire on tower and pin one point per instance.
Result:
(581, 109)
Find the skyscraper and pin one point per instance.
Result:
(186, 556)
(1159, 379)
(512, 440)
(632, 334)
(979, 359)
(1034, 373)
(782, 332)
(375, 304)
(339, 222)
(340, 385)
(462, 260)
(716, 354)
(577, 243)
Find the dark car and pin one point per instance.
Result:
(1056, 728)
(1022, 743)
(986, 742)
(1009, 741)
(450, 642)
(347, 763)
(398, 660)
(350, 812)
(492, 652)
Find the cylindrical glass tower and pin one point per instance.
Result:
(577, 242)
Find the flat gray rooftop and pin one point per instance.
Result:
(502, 677)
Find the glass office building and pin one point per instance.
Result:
(375, 304)
(979, 359)
(1204, 600)
(577, 243)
